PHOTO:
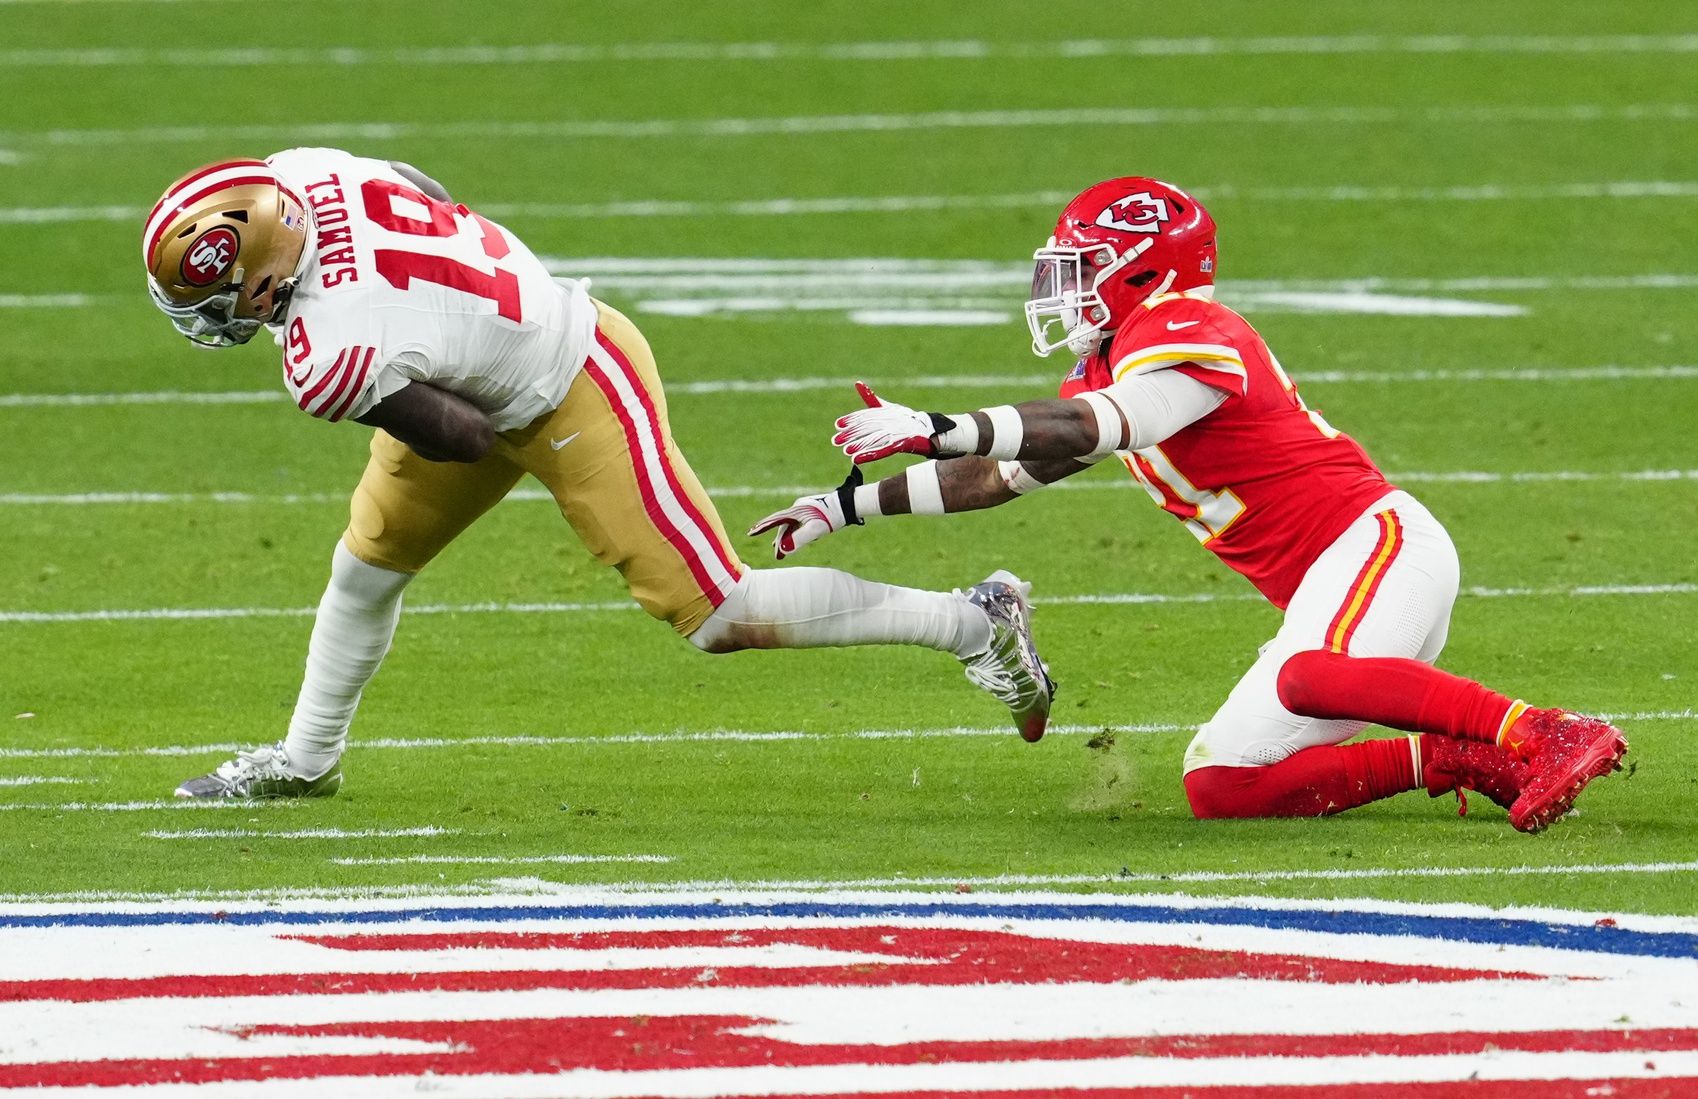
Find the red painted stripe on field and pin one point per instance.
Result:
(907, 956)
(645, 485)
(656, 1043)
(723, 552)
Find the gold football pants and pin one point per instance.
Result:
(607, 457)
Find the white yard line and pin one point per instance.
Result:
(495, 860)
(46, 301)
(1179, 877)
(810, 383)
(43, 780)
(730, 492)
(694, 736)
(136, 806)
(176, 614)
(302, 833)
(972, 49)
(799, 125)
(890, 204)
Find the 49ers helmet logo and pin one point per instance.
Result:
(210, 257)
(1138, 213)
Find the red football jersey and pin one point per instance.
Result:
(1262, 481)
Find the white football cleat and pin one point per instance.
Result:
(1010, 667)
(261, 773)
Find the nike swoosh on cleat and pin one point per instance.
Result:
(558, 444)
(1174, 326)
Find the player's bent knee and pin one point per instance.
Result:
(1217, 792)
(1302, 679)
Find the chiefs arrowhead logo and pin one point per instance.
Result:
(211, 256)
(1139, 213)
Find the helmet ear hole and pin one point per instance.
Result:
(1142, 278)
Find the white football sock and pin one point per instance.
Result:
(356, 622)
(804, 608)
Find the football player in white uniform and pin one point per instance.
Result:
(399, 309)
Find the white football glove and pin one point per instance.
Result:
(811, 518)
(883, 428)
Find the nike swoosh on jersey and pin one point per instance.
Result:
(559, 444)
(1174, 326)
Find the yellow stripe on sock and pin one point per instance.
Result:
(1516, 709)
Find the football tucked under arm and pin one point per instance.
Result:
(436, 424)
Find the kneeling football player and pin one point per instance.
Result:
(1185, 393)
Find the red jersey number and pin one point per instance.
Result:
(401, 268)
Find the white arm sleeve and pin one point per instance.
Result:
(1160, 403)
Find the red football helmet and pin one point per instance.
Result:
(1117, 244)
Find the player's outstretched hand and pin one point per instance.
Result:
(884, 428)
(811, 518)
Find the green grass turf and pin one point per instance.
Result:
(840, 806)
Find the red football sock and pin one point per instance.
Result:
(1315, 782)
(1394, 692)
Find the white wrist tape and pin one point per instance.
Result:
(1016, 477)
(925, 492)
(963, 438)
(1112, 422)
(1007, 432)
(866, 501)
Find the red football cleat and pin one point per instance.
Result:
(1473, 765)
(1564, 752)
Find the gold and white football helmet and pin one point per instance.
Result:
(223, 247)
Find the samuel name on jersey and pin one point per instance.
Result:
(385, 265)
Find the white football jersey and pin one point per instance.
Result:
(398, 287)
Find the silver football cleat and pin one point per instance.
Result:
(1010, 668)
(261, 773)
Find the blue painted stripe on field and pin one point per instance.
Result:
(1473, 929)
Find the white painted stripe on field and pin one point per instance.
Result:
(43, 780)
(1178, 877)
(495, 860)
(301, 833)
(168, 396)
(894, 204)
(46, 301)
(766, 386)
(1038, 1005)
(701, 736)
(798, 125)
(139, 806)
(563, 53)
(177, 614)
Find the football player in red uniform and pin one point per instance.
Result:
(1184, 392)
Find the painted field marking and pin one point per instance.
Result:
(1089, 991)
(895, 204)
(191, 614)
(731, 492)
(563, 53)
(1177, 877)
(696, 736)
(809, 383)
(46, 301)
(43, 780)
(915, 122)
(302, 833)
(495, 860)
(138, 806)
